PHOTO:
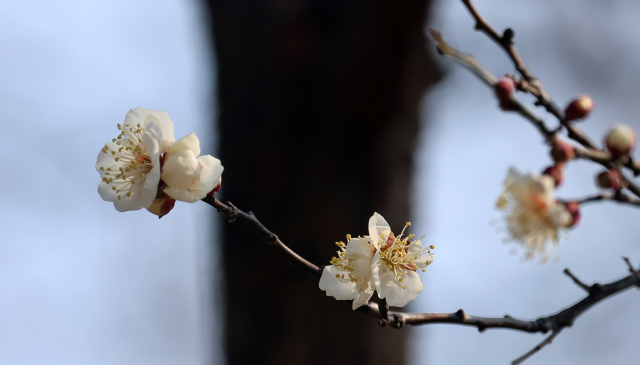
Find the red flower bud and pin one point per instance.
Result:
(574, 210)
(621, 140)
(609, 179)
(562, 151)
(504, 89)
(556, 172)
(579, 108)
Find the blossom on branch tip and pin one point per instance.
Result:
(556, 172)
(144, 167)
(609, 179)
(129, 166)
(533, 216)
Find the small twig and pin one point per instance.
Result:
(632, 270)
(542, 344)
(490, 79)
(505, 40)
(576, 280)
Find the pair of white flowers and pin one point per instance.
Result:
(534, 217)
(145, 167)
(379, 262)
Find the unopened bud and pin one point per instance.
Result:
(574, 209)
(579, 108)
(504, 89)
(620, 140)
(562, 151)
(556, 172)
(609, 179)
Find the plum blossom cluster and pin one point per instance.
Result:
(380, 262)
(145, 167)
(534, 217)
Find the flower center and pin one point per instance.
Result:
(131, 159)
(394, 252)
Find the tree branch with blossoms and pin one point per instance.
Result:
(145, 167)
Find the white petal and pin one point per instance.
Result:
(106, 193)
(362, 268)
(136, 116)
(377, 226)
(391, 289)
(152, 140)
(362, 298)
(375, 270)
(180, 169)
(182, 195)
(189, 142)
(210, 173)
(359, 248)
(162, 119)
(336, 288)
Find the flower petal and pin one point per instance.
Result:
(336, 288)
(190, 142)
(210, 174)
(360, 248)
(377, 226)
(180, 169)
(162, 119)
(361, 298)
(392, 290)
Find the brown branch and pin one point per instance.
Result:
(555, 322)
(505, 40)
(489, 78)
(237, 217)
(617, 196)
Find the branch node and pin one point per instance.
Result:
(271, 238)
(595, 289)
(398, 321)
(507, 35)
(232, 215)
(382, 322)
(459, 315)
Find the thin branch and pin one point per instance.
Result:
(632, 270)
(505, 40)
(237, 217)
(576, 280)
(490, 79)
(542, 344)
(563, 318)
(617, 196)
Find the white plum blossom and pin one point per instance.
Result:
(349, 275)
(189, 178)
(532, 214)
(395, 263)
(379, 262)
(129, 165)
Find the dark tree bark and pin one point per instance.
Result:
(318, 119)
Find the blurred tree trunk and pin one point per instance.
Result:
(318, 119)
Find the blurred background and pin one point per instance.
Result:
(322, 112)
